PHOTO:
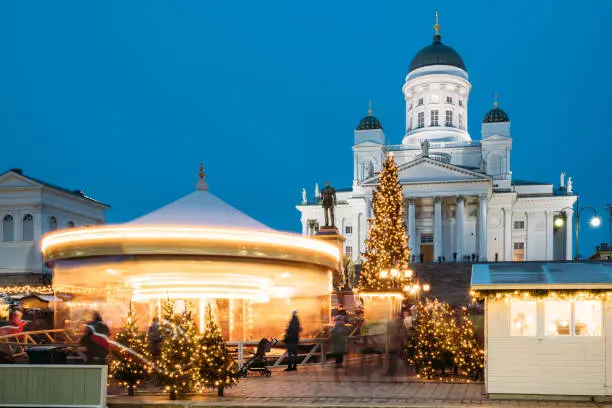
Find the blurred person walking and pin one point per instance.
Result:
(292, 339)
(96, 341)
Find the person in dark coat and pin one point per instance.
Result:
(154, 338)
(292, 338)
(96, 340)
(339, 335)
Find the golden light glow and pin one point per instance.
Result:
(408, 273)
(100, 234)
(426, 287)
(382, 294)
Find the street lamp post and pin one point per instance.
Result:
(402, 280)
(594, 221)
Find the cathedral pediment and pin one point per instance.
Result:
(428, 170)
(14, 180)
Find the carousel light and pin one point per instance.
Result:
(110, 233)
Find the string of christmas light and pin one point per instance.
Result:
(438, 340)
(387, 243)
(34, 290)
(541, 295)
(125, 368)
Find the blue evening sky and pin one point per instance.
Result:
(124, 98)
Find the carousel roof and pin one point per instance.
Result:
(200, 209)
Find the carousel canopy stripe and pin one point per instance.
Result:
(142, 240)
(542, 275)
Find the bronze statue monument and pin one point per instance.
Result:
(328, 202)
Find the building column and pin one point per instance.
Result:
(482, 228)
(508, 234)
(437, 229)
(304, 226)
(459, 221)
(412, 228)
(569, 227)
(550, 234)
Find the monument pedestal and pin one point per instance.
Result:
(332, 236)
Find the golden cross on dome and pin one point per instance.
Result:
(437, 26)
(370, 107)
(201, 184)
(495, 101)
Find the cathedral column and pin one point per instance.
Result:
(412, 227)
(508, 234)
(437, 229)
(304, 226)
(459, 238)
(569, 225)
(550, 219)
(482, 228)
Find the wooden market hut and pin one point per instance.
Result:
(546, 328)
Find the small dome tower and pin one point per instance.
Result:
(436, 92)
(496, 122)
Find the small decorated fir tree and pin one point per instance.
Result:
(218, 369)
(180, 357)
(130, 362)
(431, 338)
(387, 243)
(468, 354)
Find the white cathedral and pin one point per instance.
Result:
(461, 201)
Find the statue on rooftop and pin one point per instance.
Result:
(425, 148)
(570, 185)
(562, 185)
(328, 202)
(304, 196)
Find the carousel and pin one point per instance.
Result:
(198, 253)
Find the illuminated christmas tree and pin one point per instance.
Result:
(179, 362)
(437, 341)
(218, 368)
(130, 363)
(431, 341)
(387, 243)
(468, 355)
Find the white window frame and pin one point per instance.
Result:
(518, 225)
(434, 118)
(420, 120)
(448, 118)
(449, 100)
(420, 102)
(572, 322)
(460, 121)
(348, 229)
(523, 249)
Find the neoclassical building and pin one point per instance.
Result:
(461, 199)
(29, 208)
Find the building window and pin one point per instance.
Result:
(523, 315)
(348, 229)
(460, 118)
(52, 223)
(427, 239)
(421, 120)
(449, 119)
(348, 251)
(519, 225)
(28, 228)
(587, 317)
(420, 102)
(7, 228)
(460, 102)
(519, 251)
(449, 99)
(70, 224)
(558, 317)
(435, 120)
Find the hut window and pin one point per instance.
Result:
(588, 317)
(558, 317)
(523, 315)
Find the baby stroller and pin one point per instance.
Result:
(258, 362)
